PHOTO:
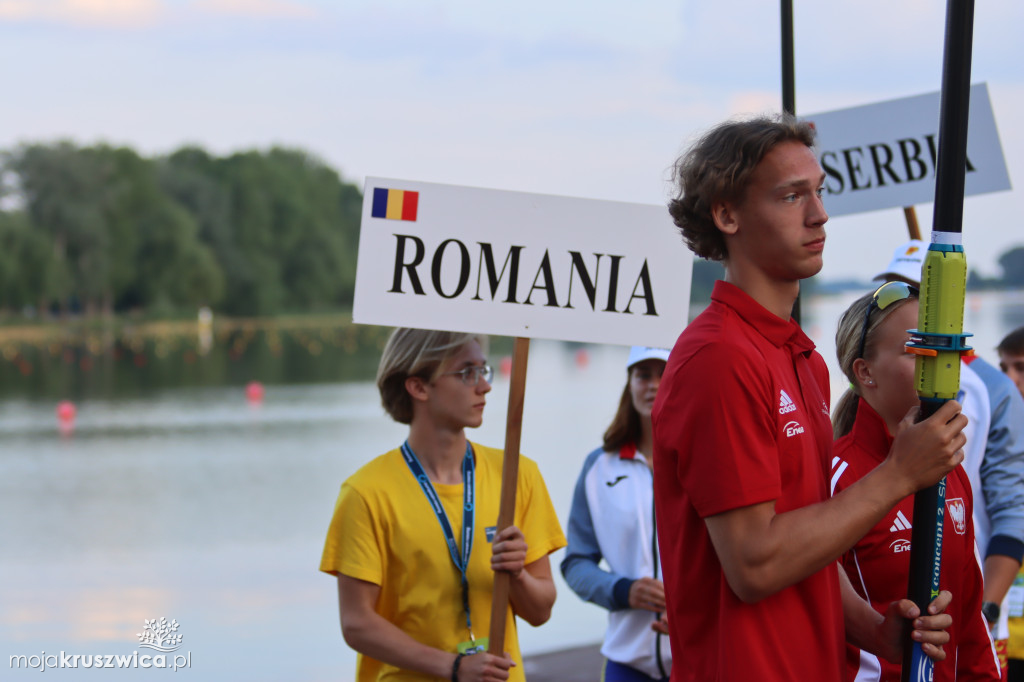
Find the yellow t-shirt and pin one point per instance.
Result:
(385, 531)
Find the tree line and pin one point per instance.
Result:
(1011, 263)
(102, 229)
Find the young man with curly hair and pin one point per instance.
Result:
(742, 440)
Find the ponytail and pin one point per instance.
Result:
(845, 414)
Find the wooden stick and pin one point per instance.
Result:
(912, 227)
(509, 479)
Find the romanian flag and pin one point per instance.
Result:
(395, 204)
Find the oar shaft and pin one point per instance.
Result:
(940, 320)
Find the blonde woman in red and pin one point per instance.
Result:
(881, 402)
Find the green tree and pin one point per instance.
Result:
(29, 273)
(192, 179)
(118, 237)
(62, 187)
(174, 269)
(281, 224)
(317, 263)
(1012, 263)
(252, 233)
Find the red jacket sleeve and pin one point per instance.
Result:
(975, 656)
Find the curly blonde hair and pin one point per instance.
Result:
(718, 168)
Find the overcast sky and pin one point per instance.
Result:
(590, 99)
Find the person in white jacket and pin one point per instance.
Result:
(612, 519)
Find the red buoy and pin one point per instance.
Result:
(254, 392)
(66, 412)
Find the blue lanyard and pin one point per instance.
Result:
(461, 560)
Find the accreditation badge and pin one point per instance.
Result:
(1015, 597)
(473, 646)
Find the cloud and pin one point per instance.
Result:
(260, 9)
(134, 14)
(101, 13)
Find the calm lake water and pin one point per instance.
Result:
(189, 503)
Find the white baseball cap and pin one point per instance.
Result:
(641, 353)
(906, 262)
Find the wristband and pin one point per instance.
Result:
(455, 667)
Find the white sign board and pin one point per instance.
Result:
(884, 155)
(517, 264)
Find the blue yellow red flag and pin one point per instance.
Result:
(395, 204)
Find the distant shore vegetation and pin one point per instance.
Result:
(103, 230)
(98, 231)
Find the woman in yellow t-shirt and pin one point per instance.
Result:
(408, 540)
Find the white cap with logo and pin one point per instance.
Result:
(906, 262)
(641, 353)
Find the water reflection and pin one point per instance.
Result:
(57, 363)
(190, 503)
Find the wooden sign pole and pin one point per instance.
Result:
(912, 227)
(509, 479)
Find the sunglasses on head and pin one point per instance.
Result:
(884, 296)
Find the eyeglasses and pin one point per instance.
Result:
(471, 375)
(884, 296)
